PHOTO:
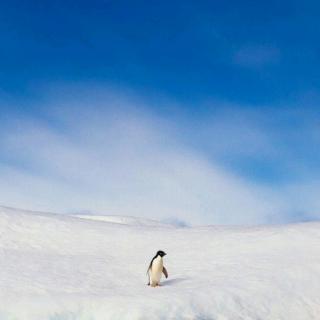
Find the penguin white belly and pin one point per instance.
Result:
(156, 271)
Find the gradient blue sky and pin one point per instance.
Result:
(196, 111)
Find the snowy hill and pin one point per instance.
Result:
(61, 267)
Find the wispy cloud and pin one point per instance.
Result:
(106, 151)
(256, 56)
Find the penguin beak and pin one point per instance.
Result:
(164, 254)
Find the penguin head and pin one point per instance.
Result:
(161, 253)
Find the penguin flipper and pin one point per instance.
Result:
(165, 272)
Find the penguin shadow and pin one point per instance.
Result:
(173, 281)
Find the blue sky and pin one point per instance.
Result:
(200, 111)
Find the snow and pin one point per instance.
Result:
(61, 267)
(133, 221)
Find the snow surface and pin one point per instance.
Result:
(62, 267)
(133, 221)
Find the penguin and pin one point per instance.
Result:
(156, 268)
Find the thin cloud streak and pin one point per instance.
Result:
(256, 56)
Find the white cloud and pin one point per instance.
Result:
(101, 151)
